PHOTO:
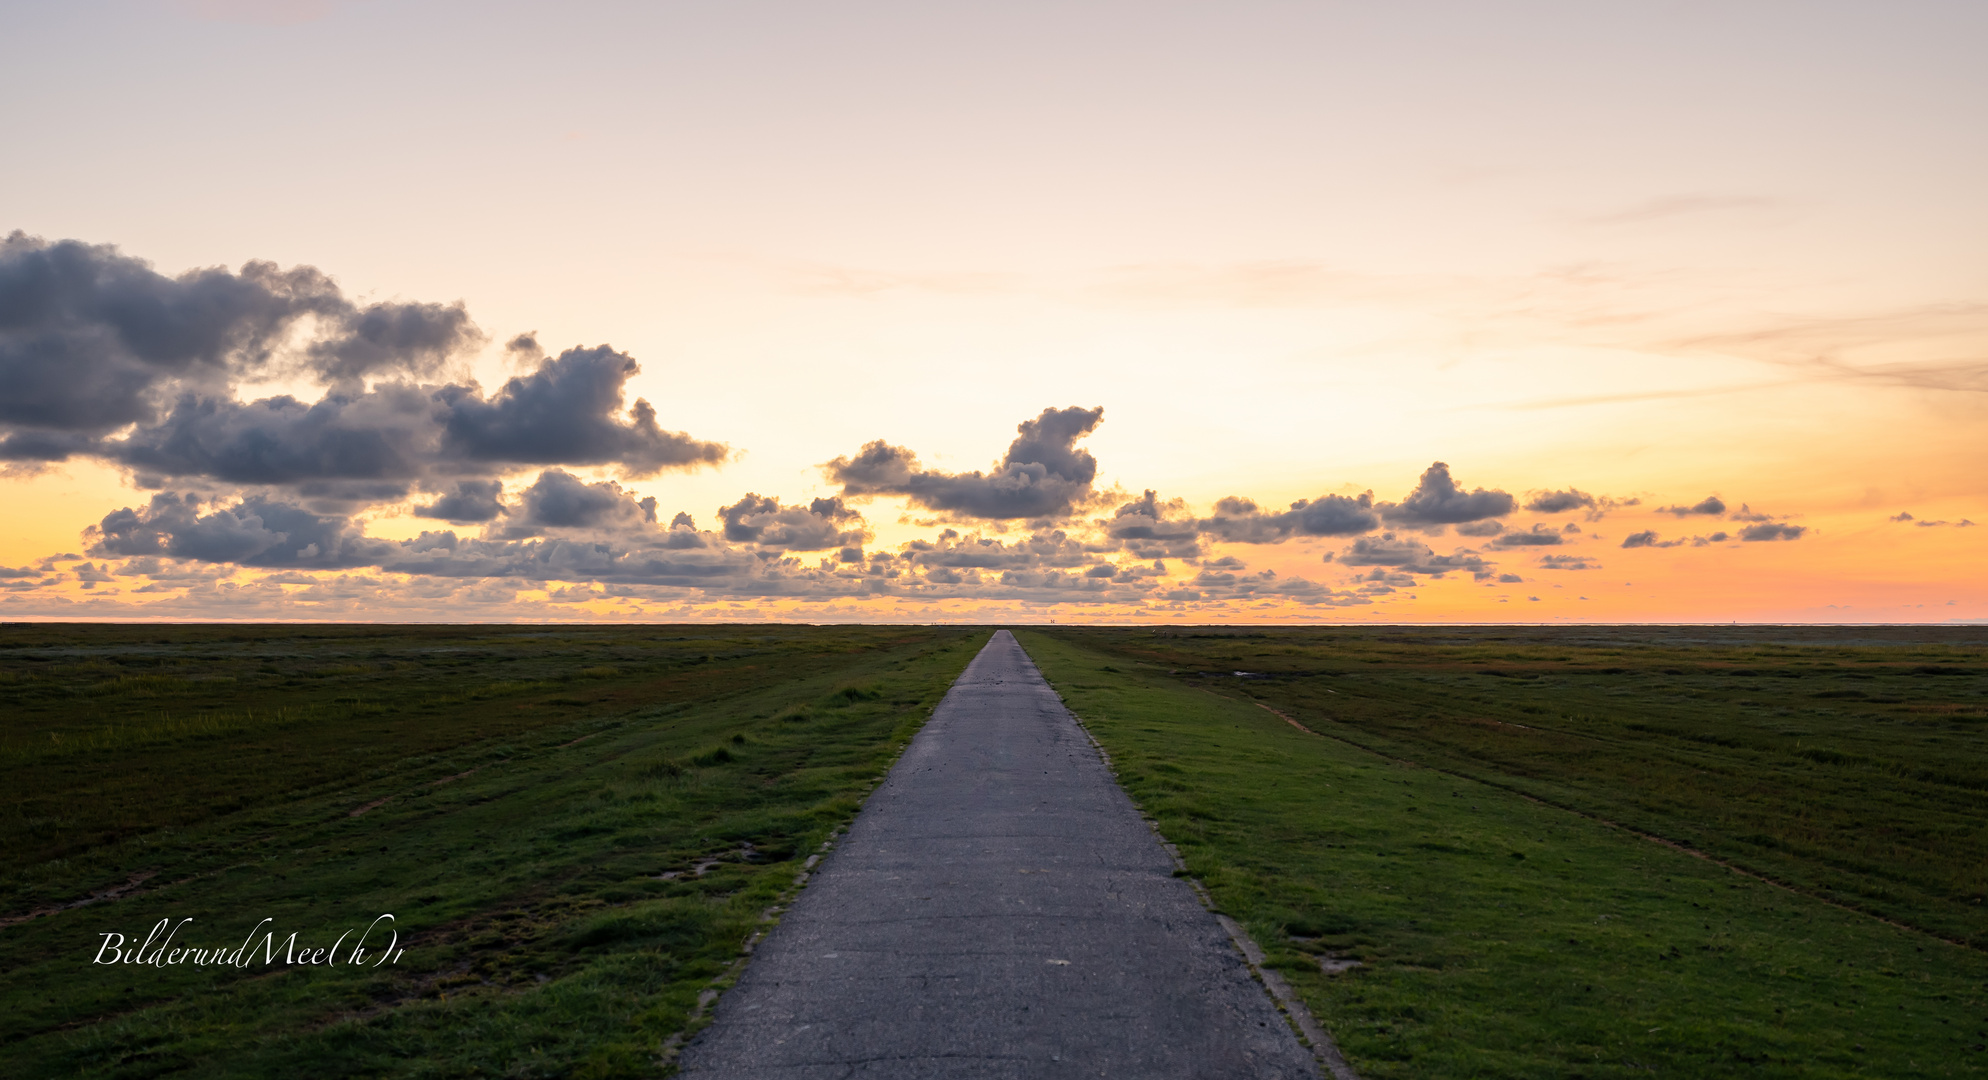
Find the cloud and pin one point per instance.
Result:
(284, 484)
(1772, 531)
(1710, 505)
(1385, 550)
(1042, 475)
(1410, 556)
(92, 340)
(1541, 535)
(1239, 520)
(1556, 502)
(88, 335)
(256, 532)
(472, 502)
(1963, 523)
(1828, 348)
(568, 412)
(525, 348)
(410, 338)
(1437, 501)
(761, 520)
(388, 435)
(1150, 529)
(1265, 585)
(560, 500)
(1648, 539)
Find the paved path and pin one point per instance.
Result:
(998, 909)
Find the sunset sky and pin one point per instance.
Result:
(1543, 311)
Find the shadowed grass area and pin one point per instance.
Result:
(576, 829)
(1496, 927)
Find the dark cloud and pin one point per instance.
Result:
(1437, 501)
(1557, 502)
(1409, 556)
(92, 340)
(1379, 582)
(256, 532)
(1265, 585)
(102, 356)
(396, 433)
(88, 335)
(1385, 550)
(568, 412)
(1509, 579)
(393, 338)
(386, 434)
(472, 502)
(1710, 505)
(560, 500)
(1648, 539)
(45, 446)
(1043, 474)
(1241, 521)
(1050, 550)
(1541, 535)
(525, 347)
(823, 524)
(1567, 562)
(1151, 529)
(619, 541)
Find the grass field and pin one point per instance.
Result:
(1460, 871)
(576, 830)
(1508, 852)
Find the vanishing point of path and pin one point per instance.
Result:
(998, 909)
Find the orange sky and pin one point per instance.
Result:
(1292, 251)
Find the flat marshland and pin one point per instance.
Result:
(1511, 852)
(575, 830)
(1580, 851)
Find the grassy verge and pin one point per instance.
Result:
(1495, 934)
(575, 829)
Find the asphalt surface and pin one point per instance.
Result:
(998, 909)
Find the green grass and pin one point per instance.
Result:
(1501, 925)
(576, 829)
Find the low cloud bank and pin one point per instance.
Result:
(106, 358)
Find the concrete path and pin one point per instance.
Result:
(998, 909)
